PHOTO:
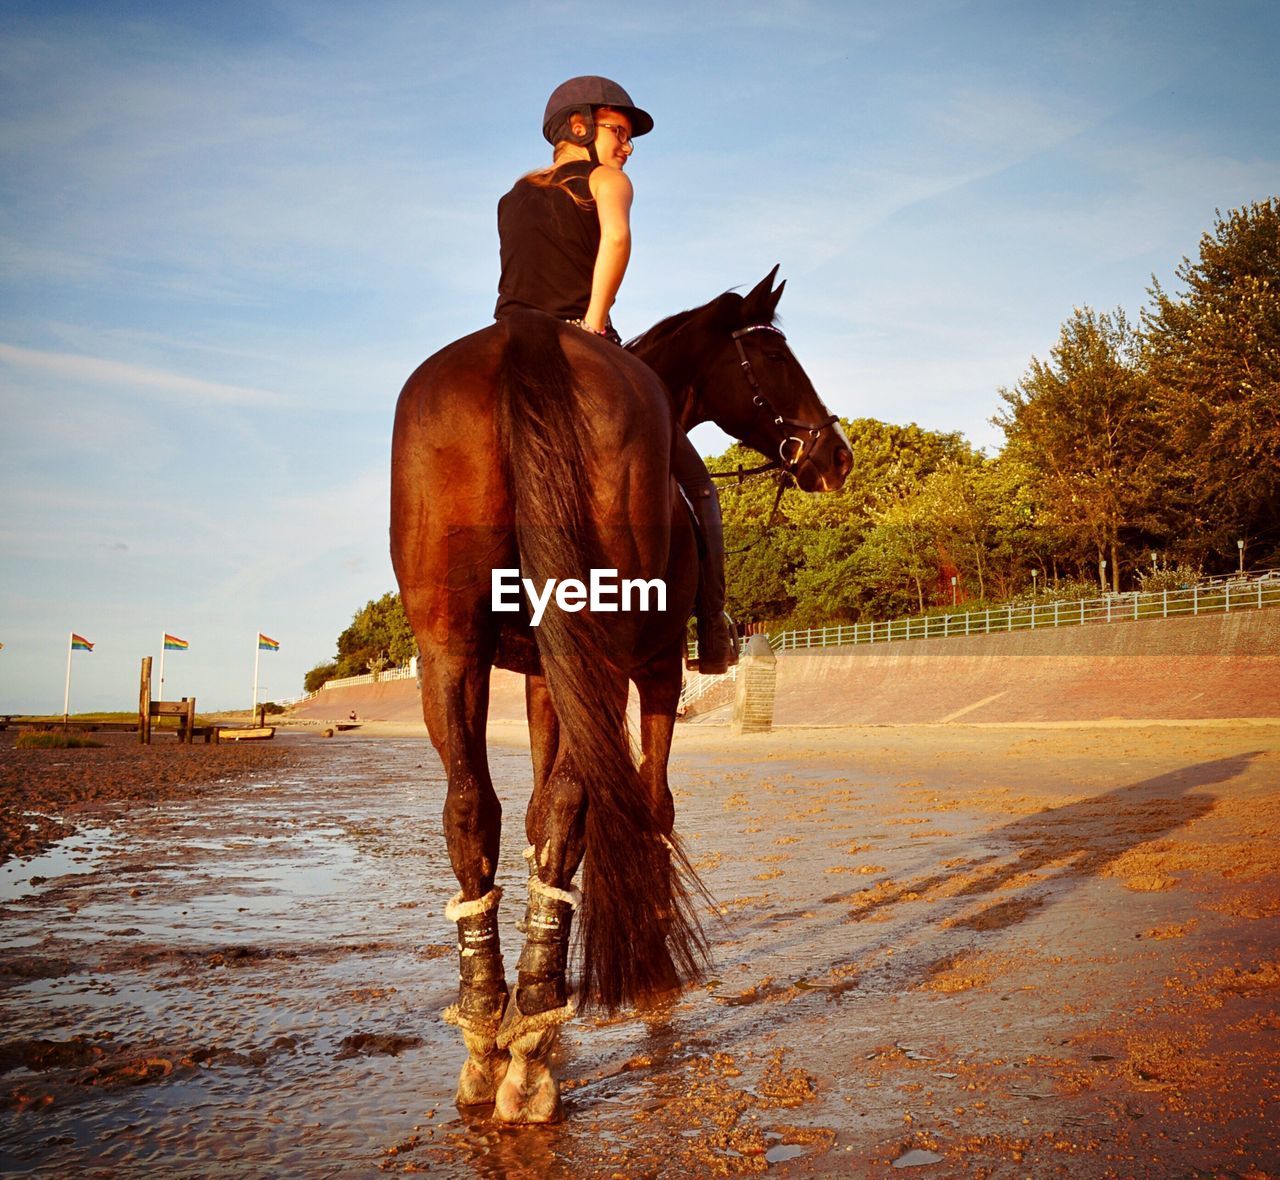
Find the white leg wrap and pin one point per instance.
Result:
(457, 909)
(571, 895)
(521, 1031)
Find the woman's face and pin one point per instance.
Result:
(613, 138)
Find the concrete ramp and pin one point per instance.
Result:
(1166, 669)
(398, 700)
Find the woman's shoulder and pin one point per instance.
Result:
(609, 184)
(574, 176)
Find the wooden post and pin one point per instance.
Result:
(188, 722)
(144, 703)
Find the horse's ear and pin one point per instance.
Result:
(773, 300)
(762, 299)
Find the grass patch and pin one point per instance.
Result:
(55, 741)
(56, 719)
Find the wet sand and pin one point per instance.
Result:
(984, 951)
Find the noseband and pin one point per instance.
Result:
(760, 401)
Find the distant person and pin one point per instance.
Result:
(564, 241)
(352, 714)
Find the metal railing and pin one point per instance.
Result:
(696, 685)
(1214, 598)
(1237, 578)
(408, 672)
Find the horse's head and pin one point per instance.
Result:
(728, 363)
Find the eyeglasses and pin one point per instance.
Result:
(620, 133)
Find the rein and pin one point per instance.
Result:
(784, 482)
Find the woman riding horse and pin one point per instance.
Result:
(534, 444)
(565, 240)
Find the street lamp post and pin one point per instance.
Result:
(1240, 546)
(1102, 572)
(1034, 575)
(953, 589)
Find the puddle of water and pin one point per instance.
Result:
(80, 853)
(918, 1157)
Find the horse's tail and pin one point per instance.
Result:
(638, 931)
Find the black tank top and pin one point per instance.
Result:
(548, 245)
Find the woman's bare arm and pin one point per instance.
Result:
(612, 192)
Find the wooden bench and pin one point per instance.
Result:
(184, 710)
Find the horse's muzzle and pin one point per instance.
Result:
(825, 468)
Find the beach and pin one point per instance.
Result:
(973, 950)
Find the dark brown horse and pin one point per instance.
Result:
(532, 446)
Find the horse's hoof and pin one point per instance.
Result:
(486, 1063)
(528, 1095)
(480, 1079)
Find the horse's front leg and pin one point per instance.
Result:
(542, 1000)
(455, 695)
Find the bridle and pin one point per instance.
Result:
(788, 462)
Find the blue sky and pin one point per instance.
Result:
(230, 231)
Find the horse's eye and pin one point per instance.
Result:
(773, 356)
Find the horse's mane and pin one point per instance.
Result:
(663, 330)
(678, 342)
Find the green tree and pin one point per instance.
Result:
(1022, 536)
(1213, 354)
(955, 502)
(378, 633)
(314, 680)
(899, 557)
(804, 567)
(1083, 424)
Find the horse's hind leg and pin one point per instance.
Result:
(542, 1001)
(455, 694)
(658, 684)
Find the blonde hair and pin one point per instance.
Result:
(549, 177)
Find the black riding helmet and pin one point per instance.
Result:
(580, 96)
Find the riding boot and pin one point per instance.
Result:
(716, 647)
(482, 997)
(542, 1003)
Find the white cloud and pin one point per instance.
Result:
(168, 386)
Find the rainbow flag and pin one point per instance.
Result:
(267, 644)
(173, 643)
(80, 643)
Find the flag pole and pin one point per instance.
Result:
(161, 696)
(257, 654)
(66, 695)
